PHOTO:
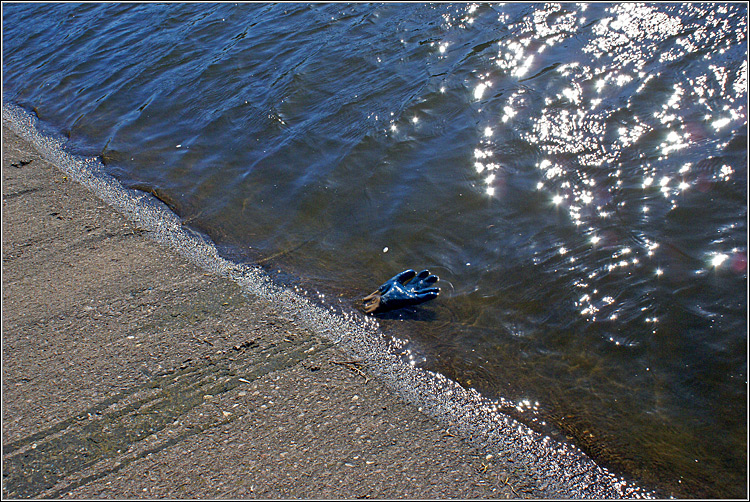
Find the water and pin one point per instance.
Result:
(576, 175)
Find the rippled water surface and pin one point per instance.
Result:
(576, 174)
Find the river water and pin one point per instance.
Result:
(576, 174)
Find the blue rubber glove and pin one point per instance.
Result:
(396, 293)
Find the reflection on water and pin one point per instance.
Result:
(587, 135)
(624, 130)
(574, 173)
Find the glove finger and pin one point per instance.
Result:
(432, 279)
(427, 294)
(404, 276)
(424, 279)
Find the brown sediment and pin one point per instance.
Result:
(159, 194)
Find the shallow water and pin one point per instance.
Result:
(575, 174)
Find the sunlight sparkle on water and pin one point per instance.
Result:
(718, 124)
(479, 90)
(726, 172)
(585, 138)
(718, 259)
(524, 68)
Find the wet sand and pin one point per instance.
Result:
(129, 371)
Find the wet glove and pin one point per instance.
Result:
(396, 293)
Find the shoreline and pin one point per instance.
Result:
(185, 353)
